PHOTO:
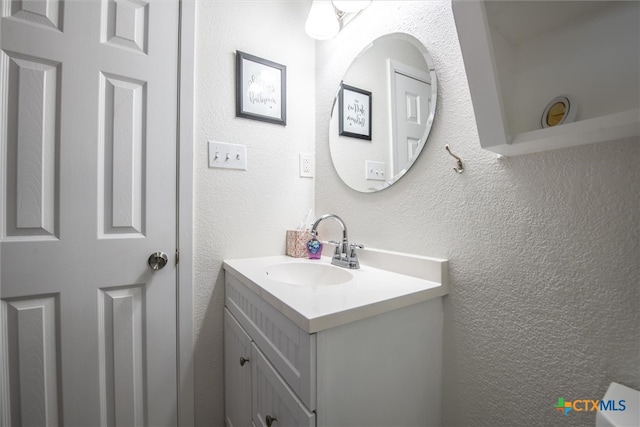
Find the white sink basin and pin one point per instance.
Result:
(308, 274)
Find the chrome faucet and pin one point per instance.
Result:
(345, 253)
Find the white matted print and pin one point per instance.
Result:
(355, 112)
(260, 89)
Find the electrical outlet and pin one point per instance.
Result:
(227, 156)
(306, 165)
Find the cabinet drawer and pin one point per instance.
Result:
(272, 398)
(291, 350)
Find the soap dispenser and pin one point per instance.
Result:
(314, 248)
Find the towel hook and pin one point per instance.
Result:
(459, 168)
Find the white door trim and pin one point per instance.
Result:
(186, 415)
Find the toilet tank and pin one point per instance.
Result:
(621, 407)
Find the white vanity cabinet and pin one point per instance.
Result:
(249, 377)
(379, 370)
(255, 386)
(521, 55)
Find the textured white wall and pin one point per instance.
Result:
(544, 248)
(243, 214)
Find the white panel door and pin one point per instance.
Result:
(412, 110)
(88, 187)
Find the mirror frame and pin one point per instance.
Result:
(429, 122)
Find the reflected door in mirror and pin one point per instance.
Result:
(408, 125)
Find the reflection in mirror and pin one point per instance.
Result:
(399, 75)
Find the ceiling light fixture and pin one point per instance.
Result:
(351, 6)
(326, 18)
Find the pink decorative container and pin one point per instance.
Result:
(297, 243)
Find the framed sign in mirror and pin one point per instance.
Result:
(355, 112)
(260, 89)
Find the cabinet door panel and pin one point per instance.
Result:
(273, 398)
(290, 349)
(237, 375)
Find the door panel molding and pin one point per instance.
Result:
(122, 352)
(30, 93)
(30, 346)
(47, 13)
(122, 156)
(125, 23)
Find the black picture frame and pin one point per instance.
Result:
(354, 112)
(260, 89)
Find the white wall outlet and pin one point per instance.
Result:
(375, 171)
(307, 165)
(227, 156)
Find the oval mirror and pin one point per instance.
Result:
(383, 112)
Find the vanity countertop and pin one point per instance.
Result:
(371, 291)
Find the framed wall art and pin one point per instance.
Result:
(260, 89)
(355, 112)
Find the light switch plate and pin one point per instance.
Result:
(227, 156)
(375, 171)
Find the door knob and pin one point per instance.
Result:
(157, 260)
(270, 420)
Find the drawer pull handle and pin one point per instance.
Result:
(270, 420)
(243, 361)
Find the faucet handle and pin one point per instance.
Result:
(338, 245)
(353, 257)
(353, 247)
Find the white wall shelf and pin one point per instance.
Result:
(519, 55)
